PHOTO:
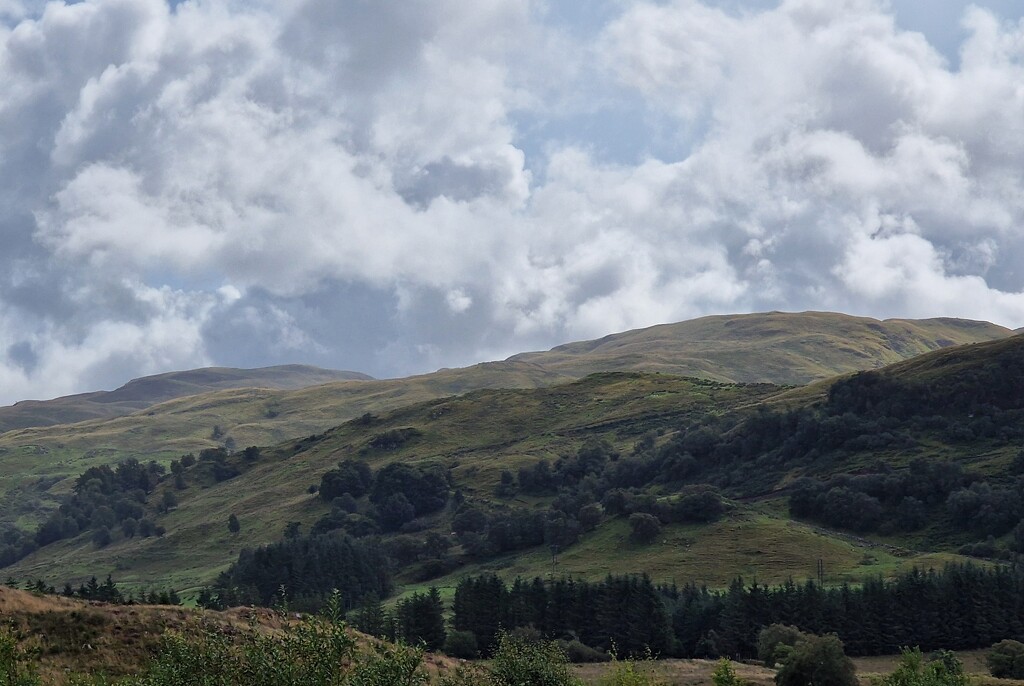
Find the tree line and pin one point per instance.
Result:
(960, 607)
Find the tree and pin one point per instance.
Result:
(507, 486)
(351, 476)
(291, 529)
(590, 516)
(914, 670)
(101, 537)
(1006, 660)
(129, 527)
(168, 501)
(234, 526)
(817, 661)
(461, 644)
(644, 527)
(775, 642)
(396, 511)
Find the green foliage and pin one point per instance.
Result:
(775, 642)
(631, 673)
(15, 667)
(307, 567)
(644, 528)
(914, 670)
(1006, 660)
(351, 476)
(389, 665)
(522, 662)
(419, 620)
(817, 661)
(725, 674)
(316, 652)
(461, 644)
(467, 675)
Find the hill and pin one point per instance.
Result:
(912, 465)
(141, 393)
(751, 442)
(663, 434)
(774, 347)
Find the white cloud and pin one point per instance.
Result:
(238, 165)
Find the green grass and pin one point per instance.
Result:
(773, 347)
(475, 435)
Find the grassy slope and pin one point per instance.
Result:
(476, 436)
(35, 463)
(774, 347)
(150, 390)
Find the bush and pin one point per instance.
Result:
(913, 670)
(537, 663)
(15, 670)
(461, 644)
(644, 527)
(775, 642)
(389, 665)
(817, 661)
(579, 653)
(630, 673)
(1006, 660)
(725, 675)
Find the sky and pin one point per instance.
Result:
(395, 187)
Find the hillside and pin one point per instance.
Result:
(66, 636)
(662, 436)
(774, 347)
(654, 421)
(141, 393)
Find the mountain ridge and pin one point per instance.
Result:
(143, 392)
(701, 427)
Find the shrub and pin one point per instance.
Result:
(1006, 660)
(631, 673)
(913, 670)
(537, 663)
(817, 661)
(725, 675)
(389, 665)
(644, 527)
(461, 644)
(579, 653)
(467, 675)
(14, 667)
(775, 642)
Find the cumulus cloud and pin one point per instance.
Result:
(352, 184)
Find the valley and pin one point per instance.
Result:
(517, 472)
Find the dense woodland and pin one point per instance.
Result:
(957, 608)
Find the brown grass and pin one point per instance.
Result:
(74, 636)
